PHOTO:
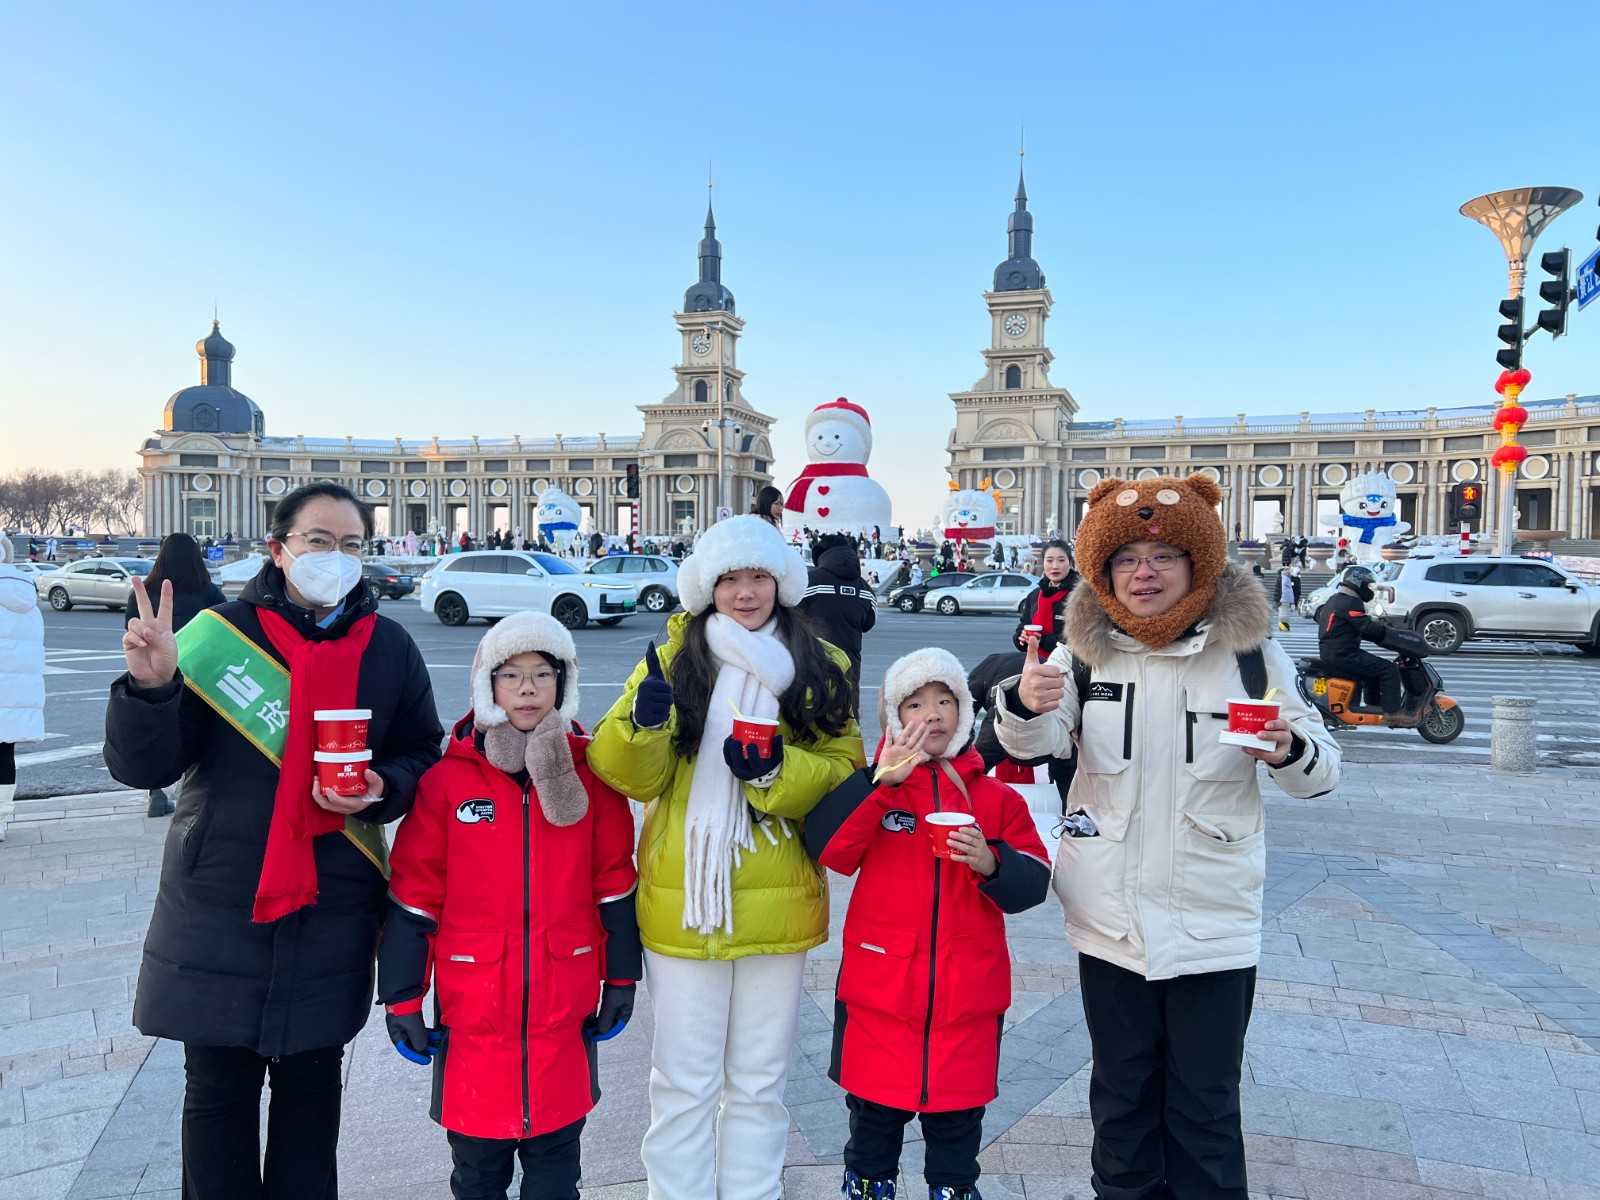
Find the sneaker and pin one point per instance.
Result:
(857, 1188)
(160, 805)
(1283, 626)
(950, 1193)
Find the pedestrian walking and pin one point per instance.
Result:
(1288, 597)
(21, 674)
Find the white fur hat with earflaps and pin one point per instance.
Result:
(518, 634)
(906, 675)
(737, 544)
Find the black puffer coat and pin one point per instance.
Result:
(210, 975)
(185, 605)
(839, 602)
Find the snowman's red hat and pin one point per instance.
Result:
(841, 410)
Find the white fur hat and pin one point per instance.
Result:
(737, 544)
(906, 675)
(518, 634)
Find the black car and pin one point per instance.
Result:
(913, 597)
(385, 584)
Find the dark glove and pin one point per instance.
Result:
(411, 1037)
(746, 762)
(616, 1006)
(652, 702)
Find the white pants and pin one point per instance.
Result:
(724, 1031)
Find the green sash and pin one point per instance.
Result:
(249, 689)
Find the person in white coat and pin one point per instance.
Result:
(21, 674)
(1161, 868)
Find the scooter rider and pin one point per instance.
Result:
(1342, 623)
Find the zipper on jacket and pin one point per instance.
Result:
(1188, 738)
(1127, 721)
(933, 949)
(527, 951)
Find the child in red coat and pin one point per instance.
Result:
(926, 977)
(512, 885)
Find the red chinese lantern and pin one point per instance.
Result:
(1508, 456)
(1510, 414)
(1522, 377)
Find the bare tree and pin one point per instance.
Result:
(119, 499)
(51, 502)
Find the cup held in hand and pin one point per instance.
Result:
(343, 774)
(942, 824)
(342, 730)
(755, 731)
(1245, 721)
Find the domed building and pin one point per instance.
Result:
(214, 406)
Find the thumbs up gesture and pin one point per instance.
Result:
(652, 702)
(1042, 684)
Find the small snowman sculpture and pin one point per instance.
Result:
(559, 516)
(834, 492)
(1369, 505)
(970, 514)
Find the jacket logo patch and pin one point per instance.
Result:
(898, 820)
(1105, 691)
(470, 812)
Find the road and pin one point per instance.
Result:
(83, 656)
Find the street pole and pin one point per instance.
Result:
(722, 430)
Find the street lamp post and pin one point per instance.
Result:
(722, 422)
(1516, 217)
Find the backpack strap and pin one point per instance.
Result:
(1253, 672)
(955, 778)
(1082, 674)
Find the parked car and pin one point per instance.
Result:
(913, 596)
(1449, 599)
(385, 584)
(994, 591)
(497, 583)
(38, 572)
(103, 581)
(654, 577)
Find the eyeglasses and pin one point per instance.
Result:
(320, 541)
(1127, 564)
(542, 680)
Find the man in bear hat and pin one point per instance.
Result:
(1161, 866)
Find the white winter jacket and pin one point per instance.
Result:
(21, 658)
(1172, 884)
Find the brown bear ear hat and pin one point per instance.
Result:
(1180, 512)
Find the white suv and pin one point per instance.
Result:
(654, 575)
(1449, 598)
(497, 583)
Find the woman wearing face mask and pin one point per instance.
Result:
(259, 956)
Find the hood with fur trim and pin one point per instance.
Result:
(738, 544)
(1237, 619)
(518, 634)
(906, 675)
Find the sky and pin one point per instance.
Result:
(450, 220)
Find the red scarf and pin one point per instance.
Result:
(802, 485)
(321, 675)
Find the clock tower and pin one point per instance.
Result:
(705, 418)
(1011, 424)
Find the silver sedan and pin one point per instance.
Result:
(997, 591)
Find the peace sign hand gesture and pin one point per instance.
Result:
(151, 650)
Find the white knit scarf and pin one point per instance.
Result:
(753, 670)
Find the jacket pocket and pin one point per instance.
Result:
(1091, 880)
(467, 977)
(1205, 717)
(1221, 891)
(979, 970)
(878, 969)
(574, 956)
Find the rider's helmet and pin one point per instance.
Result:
(1359, 580)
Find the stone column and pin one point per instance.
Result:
(1513, 738)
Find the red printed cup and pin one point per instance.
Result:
(1245, 721)
(1035, 630)
(343, 774)
(755, 731)
(342, 730)
(942, 824)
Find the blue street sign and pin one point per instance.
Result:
(1589, 279)
(214, 554)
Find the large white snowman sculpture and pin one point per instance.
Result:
(1370, 517)
(834, 493)
(559, 517)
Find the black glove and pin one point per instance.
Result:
(652, 702)
(411, 1037)
(616, 1006)
(746, 762)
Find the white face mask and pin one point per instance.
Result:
(324, 577)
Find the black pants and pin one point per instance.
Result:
(1379, 674)
(1164, 1088)
(483, 1166)
(950, 1139)
(222, 1124)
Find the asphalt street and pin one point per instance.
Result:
(83, 657)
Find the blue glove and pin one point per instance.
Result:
(411, 1037)
(652, 702)
(616, 1006)
(746, 762)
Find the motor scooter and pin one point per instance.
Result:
(1434, 715)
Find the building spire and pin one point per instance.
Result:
(708, 294)
(1019, 272)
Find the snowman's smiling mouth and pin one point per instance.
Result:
(825, 448)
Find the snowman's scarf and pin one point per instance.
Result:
(1369, 525)
(802, 485)
(753, 670)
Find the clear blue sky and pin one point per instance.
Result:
(477, 219)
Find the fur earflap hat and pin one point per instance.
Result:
(906, 675)
(1179, 512)
(738, 544)
(518, 634)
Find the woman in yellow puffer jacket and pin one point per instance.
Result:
(729, 901)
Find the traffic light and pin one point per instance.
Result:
(1466, 500)
(1511, 334)
(632, 484)
(1557, 292)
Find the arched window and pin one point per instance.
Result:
(699, 391)
(1013, 378)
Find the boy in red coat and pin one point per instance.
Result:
(512, 885)
(926, 977)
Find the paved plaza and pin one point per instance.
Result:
(1427, 1015)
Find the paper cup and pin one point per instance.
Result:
(941, 825)
(1245, 720)
(343, 774)
(755, 731)
(1034, 629)
(342, 730)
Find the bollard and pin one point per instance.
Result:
(1513, 745)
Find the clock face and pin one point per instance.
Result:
(1016, 325)
(700, 344)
